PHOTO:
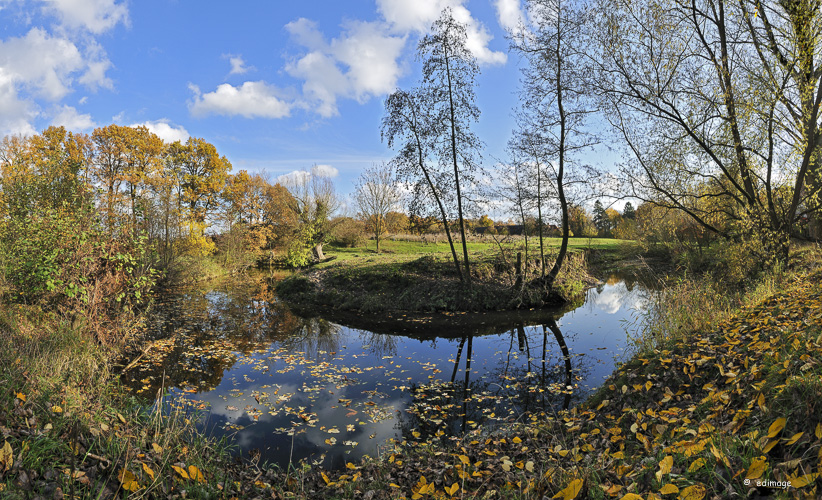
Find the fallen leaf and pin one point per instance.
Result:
(776, 427)
(757, 468)
(572, 490)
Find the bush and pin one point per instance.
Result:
(61, 259)
(349, 233)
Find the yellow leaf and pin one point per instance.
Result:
(529, 466)
(795, 438)
(776, 427)
(416, 434)
(666, 464)
(196, 474)
(21, 397)
(6, 457)
(761, 401)
(148, 471)
(464, 459)
(698, 464)
(516, 440)
(453, 489)
(757, 468)
(818, 431)
(157, 448)
(325, 478)
(182, 472)
(571, 491)
(669, 489)
(121, 418)
(799, 482)
(56, 409)
(648, 386)
(769, 445)
(618, 454)
(128, 480)
(349, 465)
(614, 489)
(631, 496)
(695, 492)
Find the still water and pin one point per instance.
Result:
(330, 388)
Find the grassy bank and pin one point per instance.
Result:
(415, 276)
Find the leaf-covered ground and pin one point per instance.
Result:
(734, 413)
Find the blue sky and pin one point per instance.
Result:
(277, 86)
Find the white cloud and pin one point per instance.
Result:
(15, 114)
(418, 16)
(510, 15)
(96, 16)
(360, 64)
(251, 100)
(69, 117)
(295, 178)
(238, 66)
(165, 130)
(324, 171)
(40, 65)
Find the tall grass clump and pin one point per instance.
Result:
(695, 302)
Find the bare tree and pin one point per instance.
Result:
(555, 104)
(719, 104)
(377, 194)
(449, 77)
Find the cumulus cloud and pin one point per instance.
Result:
(16, 114)
(251, 100)
(165, 130)
(300, 177)
(96, 16)
(238, 66)
(510, 15)
(295, 178)
(43, 66)
(418, 16)
(324, 171)
(361, 63)
(69, 117)
(42, 63)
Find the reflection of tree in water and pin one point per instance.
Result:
(195, 334)
(513, 391)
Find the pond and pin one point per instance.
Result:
(330, 387)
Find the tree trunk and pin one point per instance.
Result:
(318, 252)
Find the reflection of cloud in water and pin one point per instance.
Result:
(614, 298)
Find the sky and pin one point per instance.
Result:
(276, 86)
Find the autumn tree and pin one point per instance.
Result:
(143, 158)
(203, 173)
(377, 194)
(110, 161)
(313, 201)
(718, 103)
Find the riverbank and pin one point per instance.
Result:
(732, 411)
(426, 281)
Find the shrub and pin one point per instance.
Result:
(61, 259)
(348, 232)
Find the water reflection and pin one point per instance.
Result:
(332, 389)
